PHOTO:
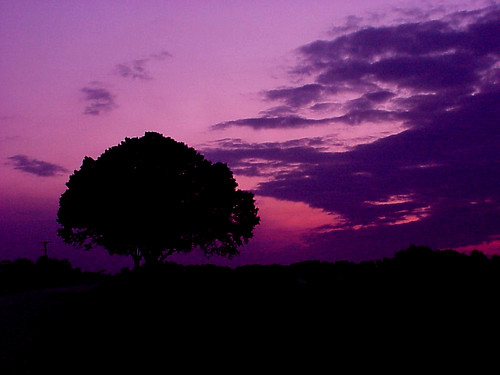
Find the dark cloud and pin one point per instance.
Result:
(281, 110)
(98, 98)
(356, 117)
(160, 56)
(435, 183)
(351, 23)
(479, 36)
(290, 121)
(325, 107)
(445, 174)
(138, 69)
(134, 70)
(353, 117)
(299, 96)
(379, 96)
(423, 56)
(423, 73)
(36, 167)
(270, 150)
(267, 159)
(378, 73)
(418, 14)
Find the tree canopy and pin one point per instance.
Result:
(150, 197)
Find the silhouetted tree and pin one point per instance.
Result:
(150, 197)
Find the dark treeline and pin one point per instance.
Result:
(414, 268)
(200, 314)
(24, 275)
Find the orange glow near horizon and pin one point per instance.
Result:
(489, 247)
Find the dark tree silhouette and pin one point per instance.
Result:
(150, 197)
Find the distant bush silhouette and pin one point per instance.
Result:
(150, 197)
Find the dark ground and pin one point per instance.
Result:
(208, 317)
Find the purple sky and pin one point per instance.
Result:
(361, 126)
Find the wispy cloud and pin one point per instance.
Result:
(98, 98)
(353, 117)
(139, 68)
(289, 121)
(34, 166)
(135, 70)
(300, 96)
(268, 158)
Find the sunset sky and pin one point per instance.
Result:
(362, 126)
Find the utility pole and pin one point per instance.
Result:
(45, 247)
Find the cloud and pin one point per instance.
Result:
(305, 150)
(353, 117)
(456, 33)
(379, 96)
(271, 159)
(299, 96)
(449, 170)
(290, 121)
(37, 167)
(281, 110)
(99, 99)
(422, 73)
(134, 70)
(138, 69)
(389, 72)
(434, 183)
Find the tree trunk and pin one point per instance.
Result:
(150, 259)
(137, 258)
